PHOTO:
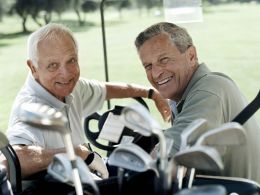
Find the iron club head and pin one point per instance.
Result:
(42, 116)
(192, 132)
(138, 118)
(131, 156)
(227, 134)
(201, 158)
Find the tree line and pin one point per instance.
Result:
(41, 11)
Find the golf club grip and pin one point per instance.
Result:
(248, 111)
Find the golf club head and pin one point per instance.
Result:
(3, 140)
(227, 134)
(138, 118)
(42, 116)
(132, 157)
(200, 157)
(190, 134)
(60, 169)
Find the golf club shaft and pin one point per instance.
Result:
(72, 158)
(180, 173)
(163, 161)
(191, 178)
(163, 152)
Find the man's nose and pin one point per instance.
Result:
(65, 70)
(156, 71)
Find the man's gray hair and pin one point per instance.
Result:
(50, 31)
(178, 35)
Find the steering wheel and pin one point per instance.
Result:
(146, 143)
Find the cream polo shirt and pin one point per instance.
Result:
(215, 97)
(87, 97)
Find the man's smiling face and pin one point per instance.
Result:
(58, 69)
(167, 69)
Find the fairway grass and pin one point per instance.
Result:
(227, 41)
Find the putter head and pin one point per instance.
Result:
(3, 140)
(200, 157)
(132, 157)
(138, 118)
(191, 133)
(228, 134)
(42, 116)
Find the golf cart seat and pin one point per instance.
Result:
(146, 143)
(232, 184)
(13, 164)
(17, 184)
(35, 184)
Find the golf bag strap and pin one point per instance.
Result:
(248, 111)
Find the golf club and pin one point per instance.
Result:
(133, 157)
(45, 117)
(188, 137)
(200, 157)
(228, 134)
(138, 118)
(61, 170)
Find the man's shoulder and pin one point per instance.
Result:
(214, 82)
(83, 80)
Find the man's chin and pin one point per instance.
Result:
(62, 95)
(165, 94)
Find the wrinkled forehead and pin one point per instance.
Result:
(57, 36)
(156, 43)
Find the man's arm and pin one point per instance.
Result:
(35, 158)
(127, 90)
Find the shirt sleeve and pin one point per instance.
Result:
(21, 133)
(93, 95)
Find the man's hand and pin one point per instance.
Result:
(162, 105)
(98, 165)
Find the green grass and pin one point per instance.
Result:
(227, 41)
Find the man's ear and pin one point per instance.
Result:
(32, 68)
(192, 55)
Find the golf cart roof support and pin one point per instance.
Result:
(104, 43)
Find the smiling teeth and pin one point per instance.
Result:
(164, 81)
(62, 83)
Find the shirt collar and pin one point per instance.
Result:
(201, 71)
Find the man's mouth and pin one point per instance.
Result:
(166, 80)
(64, 83)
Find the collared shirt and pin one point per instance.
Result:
(216, 98)
(87, 97)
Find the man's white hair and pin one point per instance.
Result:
(50, 31)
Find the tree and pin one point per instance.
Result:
(26, 8)
(5, 6)
(89, 6)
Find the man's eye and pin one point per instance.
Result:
(148, 67)
(53, 66)
(73, 60)
(164, 60)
